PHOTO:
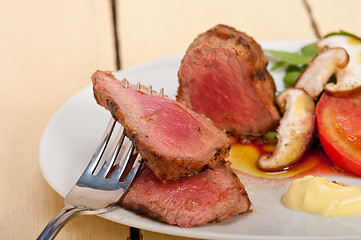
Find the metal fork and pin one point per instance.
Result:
(98, 192)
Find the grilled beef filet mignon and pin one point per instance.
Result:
(223, 75)
(209, 196)
(173, 140)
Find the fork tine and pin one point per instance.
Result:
(126, 84)
(121, 168)
(107, 165)
(137, 87)
(101, 148)
(137, 163)
(149, 90)
(123, 164)
(161, 92)
(120, 138)
(131, 175)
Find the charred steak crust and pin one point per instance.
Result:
(185, 166)
(209, 196)
(223, 75)
(167, 162)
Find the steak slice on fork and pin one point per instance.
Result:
(173, 140)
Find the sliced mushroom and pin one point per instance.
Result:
(348, 78)
(320, 69)
(295, 132)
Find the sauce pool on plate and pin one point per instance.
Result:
(244, 157)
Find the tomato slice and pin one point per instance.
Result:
(339, 129)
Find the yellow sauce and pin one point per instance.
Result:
(354, 44)
(244, 157)
(319, 196)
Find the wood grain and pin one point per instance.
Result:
(158, 28)
(49, 49)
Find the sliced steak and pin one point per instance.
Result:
(223, 76)
(209, 196)
(173, 140)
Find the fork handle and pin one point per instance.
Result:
(56, 224)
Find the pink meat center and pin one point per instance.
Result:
(222, 90)
(170, 128)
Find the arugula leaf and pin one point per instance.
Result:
(270, 135)
(309, 50)
(278, 64)
(290, 78)
(291, 74)
(295, 62)
(342, 33)
(290, 57)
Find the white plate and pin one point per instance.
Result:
(73, 133)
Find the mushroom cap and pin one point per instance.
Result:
(348, 78)
(326, 63)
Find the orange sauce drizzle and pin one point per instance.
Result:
(244, 157)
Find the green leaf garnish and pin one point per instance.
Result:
(278, 64)
(290, 78)
(291, 58)
(343, 33)
(295, 62)
(309, 50)
(270, 135)
(291, 74)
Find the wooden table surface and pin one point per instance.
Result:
(49, 49)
